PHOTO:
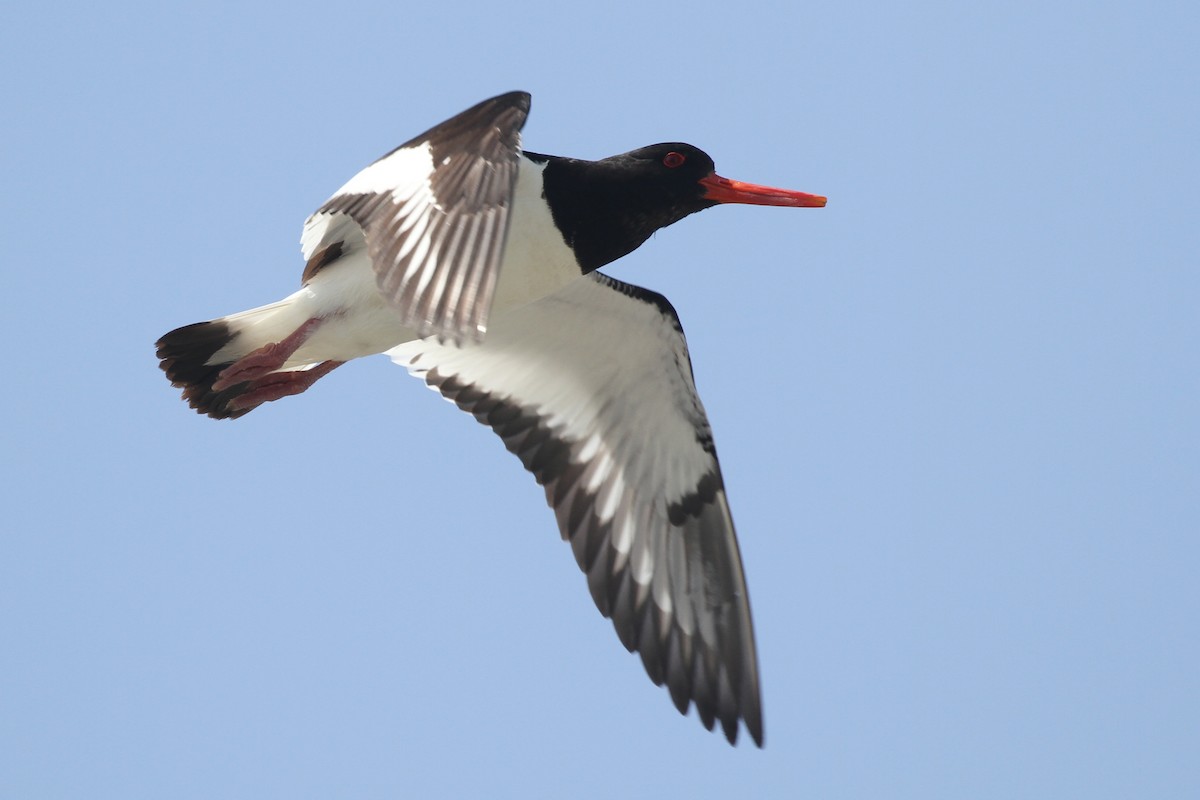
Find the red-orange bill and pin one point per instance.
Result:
(724, 190)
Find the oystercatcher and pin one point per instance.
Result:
(474, 263)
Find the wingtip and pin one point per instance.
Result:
(517, 98)
(755, 729)
(752, 725)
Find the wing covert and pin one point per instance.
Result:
(435, 214)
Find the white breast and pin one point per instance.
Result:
(537, 262)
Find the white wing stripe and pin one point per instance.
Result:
(591, 387)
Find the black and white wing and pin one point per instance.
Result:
(592, 389)
(435, 214)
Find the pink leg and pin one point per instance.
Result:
(266, 359)
(281, 384)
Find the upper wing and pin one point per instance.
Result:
(592, 389)
(435, 215)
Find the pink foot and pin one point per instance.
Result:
(264, 361)
(281, 384)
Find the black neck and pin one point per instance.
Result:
(605, 209)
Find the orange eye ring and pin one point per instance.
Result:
(672, 160)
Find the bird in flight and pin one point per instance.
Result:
(473, 264)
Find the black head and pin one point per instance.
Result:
(606, 209)
(666, 178)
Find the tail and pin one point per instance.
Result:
(194, 356)
(189, 357)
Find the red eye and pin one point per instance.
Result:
(673, 159)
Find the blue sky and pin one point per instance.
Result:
(956, 409)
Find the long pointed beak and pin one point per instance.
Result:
(724, 190)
